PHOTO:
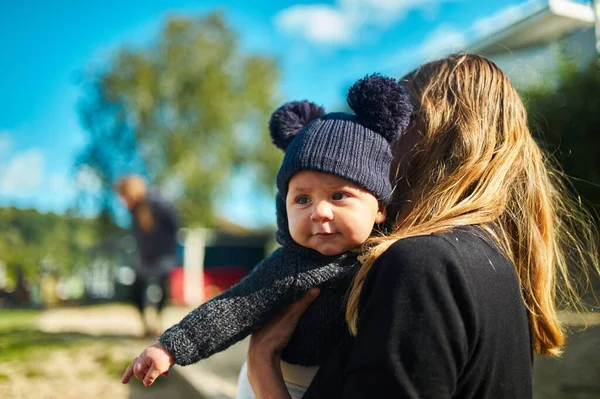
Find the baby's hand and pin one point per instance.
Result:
(152, 362)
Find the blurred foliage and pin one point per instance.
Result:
(565, 116)
(189, 112)
(33, 241)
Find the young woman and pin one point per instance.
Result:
(154, 226)
(455, 301)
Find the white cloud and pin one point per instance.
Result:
(444, 40)
(59, 182)
(383, 12)
(65, 189)
(506, 16)
(5, 141)
(318, 23)
(23, 174)
(88, 180)
(347, 20)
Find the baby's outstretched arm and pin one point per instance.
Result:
(222, 321)
(235, 313)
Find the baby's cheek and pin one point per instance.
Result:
(362, 233)
(296, 229)
(350, 237)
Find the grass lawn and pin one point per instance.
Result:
(17, 318)
(39, 364)
(20, 339)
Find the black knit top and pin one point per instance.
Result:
(440, 316)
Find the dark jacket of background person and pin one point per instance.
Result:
(418, 291)
(157, 249)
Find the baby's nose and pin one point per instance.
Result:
(322, 211)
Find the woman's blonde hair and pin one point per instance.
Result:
(134, 188)
(475, 162)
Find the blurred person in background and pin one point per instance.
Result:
(154, 225)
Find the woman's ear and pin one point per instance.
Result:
(381, 213)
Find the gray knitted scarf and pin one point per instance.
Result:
(274, 283)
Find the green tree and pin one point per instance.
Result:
(29, 237)
(188, 112)
(565, 117)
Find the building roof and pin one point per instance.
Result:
(543, 24)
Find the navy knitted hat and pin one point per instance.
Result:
(354, 147)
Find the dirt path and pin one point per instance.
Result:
(104, 343)
(99, 343)
(67, 373)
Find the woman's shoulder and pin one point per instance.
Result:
(412, 251)
(448, 253)
(462, 264)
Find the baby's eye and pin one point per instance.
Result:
(302, 200)
(339, 196)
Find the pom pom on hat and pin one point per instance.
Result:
(353, 147)
(381, 104)
(289, 119)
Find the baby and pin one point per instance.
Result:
(333, 185)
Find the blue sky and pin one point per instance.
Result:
(322, 47)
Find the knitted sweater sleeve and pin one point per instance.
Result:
(235, 313)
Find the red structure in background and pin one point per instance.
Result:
(228, 257)
(216, 280)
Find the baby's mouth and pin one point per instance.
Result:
(324, 235)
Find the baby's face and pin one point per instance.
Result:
(329, 214)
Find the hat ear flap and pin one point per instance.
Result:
(381, 104)
(290, 119)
